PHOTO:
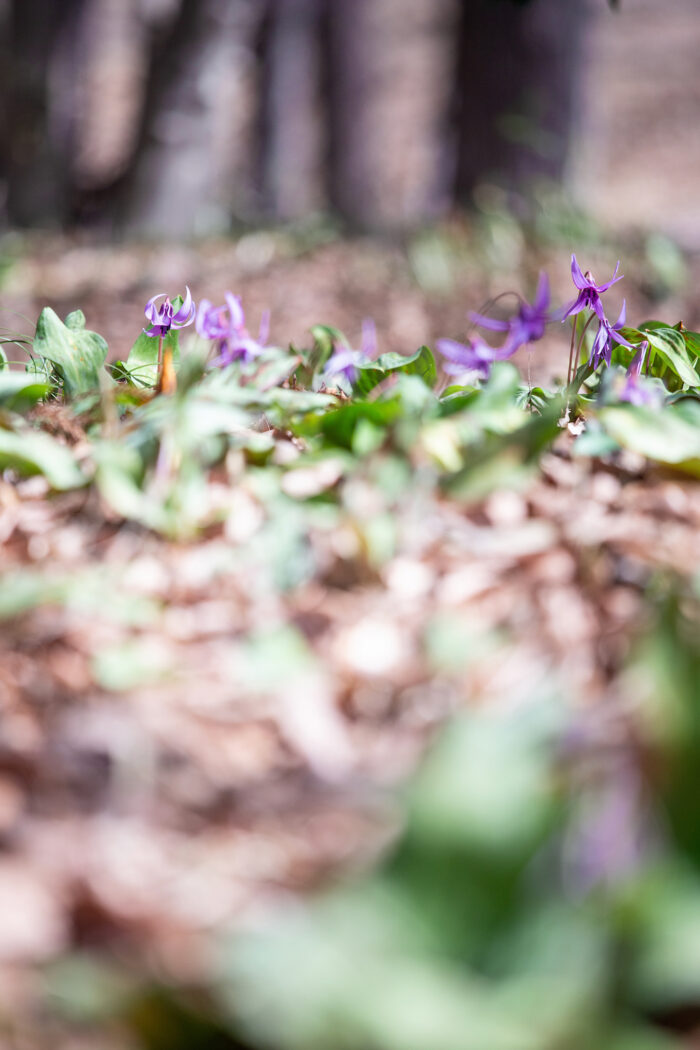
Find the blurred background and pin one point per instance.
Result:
(182, 118)
(237, 141)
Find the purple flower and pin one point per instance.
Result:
(474, 356)
(163, 318)
(602, 344)
(635, 390)
(226, 326)
(589, 292)
(345, 361)
(528, 325)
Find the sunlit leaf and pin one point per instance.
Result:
(30, 452)
(20, 390)
(76, 353)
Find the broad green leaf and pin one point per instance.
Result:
(339, 426)
(20, 390)
(665, 436)
(692, 342)
(670, 345)
(142, 362)
(30, 452)
(422, 364)
(76, 354)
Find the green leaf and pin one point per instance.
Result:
(77, 354)
(3, 359)
(692, 342)
(670, 345)
(339, 426)
(19, 390)
(665, 970)
(665, 436)
(142, 362)
(421, 364)
(29, 452)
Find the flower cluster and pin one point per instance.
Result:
(224, 325)
(528, 325)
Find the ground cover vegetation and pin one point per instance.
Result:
(243, 584)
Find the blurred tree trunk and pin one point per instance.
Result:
(196, 140)
(43, 42)
(293, 116)
(517, 86)
(390, 70)
(386, 111)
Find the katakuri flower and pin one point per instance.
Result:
(345, 361)
(636, 390)
(473, 356)
(226, 326)
(163, 318)
(528, 325)
(606, 334)
(589, 292)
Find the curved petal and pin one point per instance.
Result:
(368, 344)
(235, 310)
(185, 314)
(153, 330)
(511, 344)
(613, 280)
(637, 361)
(542, 295)
(340, 361)
(622, 319)
(577, 274)
(264, 332)
(600, 345)
(454, 351)
(575, 308)
(620, 338)
(489, 322)
(151, 311)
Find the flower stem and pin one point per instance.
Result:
(580, 344)
(571, 348)
(160, 360)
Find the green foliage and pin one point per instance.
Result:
(20, 390)
(670, 436)
(76, 354)
(29, 452)
(142, 363)
(422, 364)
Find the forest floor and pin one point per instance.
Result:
(188, 734)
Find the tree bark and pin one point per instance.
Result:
(197, 139)
(518, 81)
(43, 69)
(293, 117)
(390, 66)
